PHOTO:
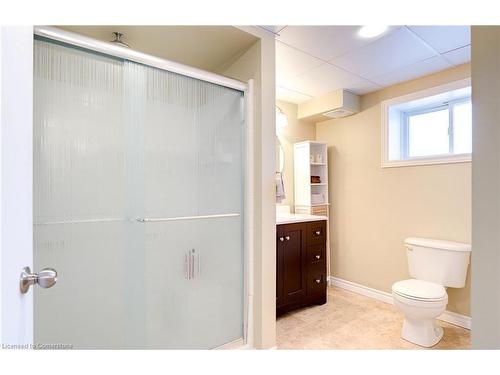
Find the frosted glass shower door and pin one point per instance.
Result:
(192, 181)
(138, 204)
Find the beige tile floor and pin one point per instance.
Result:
(352, 321)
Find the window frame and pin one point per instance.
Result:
(404, 159)
(405, 124)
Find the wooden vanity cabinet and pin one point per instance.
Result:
(300, 265)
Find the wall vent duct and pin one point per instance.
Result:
(337, 113)
(336, 104)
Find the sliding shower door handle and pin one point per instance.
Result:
(191, 265)
(46, 278)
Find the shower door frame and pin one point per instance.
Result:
(16, 309)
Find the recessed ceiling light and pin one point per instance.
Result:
(371, 31)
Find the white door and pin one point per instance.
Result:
(16, 168)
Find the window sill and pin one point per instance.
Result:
(466, 158)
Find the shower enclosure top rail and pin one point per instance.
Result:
(112, 49)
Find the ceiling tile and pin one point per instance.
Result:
(444, 38)
(421, 68)
(275, 29)
(459, 56)
(325, 42)
(291, 62)
(290, 95)
(323, 79)
(396, 50)
(363, 87)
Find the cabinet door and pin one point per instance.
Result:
(279, 266)
(294, 262)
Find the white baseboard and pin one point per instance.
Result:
(460, 320)
(448, 316)
(361, 289)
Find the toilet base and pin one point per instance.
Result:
(423, 332)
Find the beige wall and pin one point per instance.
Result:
(373, 209)
(258, 63)
(296, 131)
(486, 187)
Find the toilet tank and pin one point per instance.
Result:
(441, 262)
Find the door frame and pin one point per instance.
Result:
(16, 188)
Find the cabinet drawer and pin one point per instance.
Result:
(316, 232)
(316, 279)
(316, 254)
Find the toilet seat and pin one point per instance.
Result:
(419, 290)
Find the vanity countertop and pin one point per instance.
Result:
(284, 218)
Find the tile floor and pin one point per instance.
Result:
(352, 321)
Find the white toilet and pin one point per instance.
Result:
(434, 265)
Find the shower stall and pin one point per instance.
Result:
(141, 192)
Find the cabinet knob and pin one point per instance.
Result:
(318, 232)
(287, 238)
(318, 256)
(282, 239)
(318, 281)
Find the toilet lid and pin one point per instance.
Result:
(419, 289)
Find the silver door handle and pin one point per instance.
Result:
(287, 238)
(46, 278)
(191, 265)
(282, 239)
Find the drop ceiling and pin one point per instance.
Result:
(314, 60)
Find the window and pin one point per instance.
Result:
(429, 127)
(442, 130)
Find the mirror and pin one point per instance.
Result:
(280, 156)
